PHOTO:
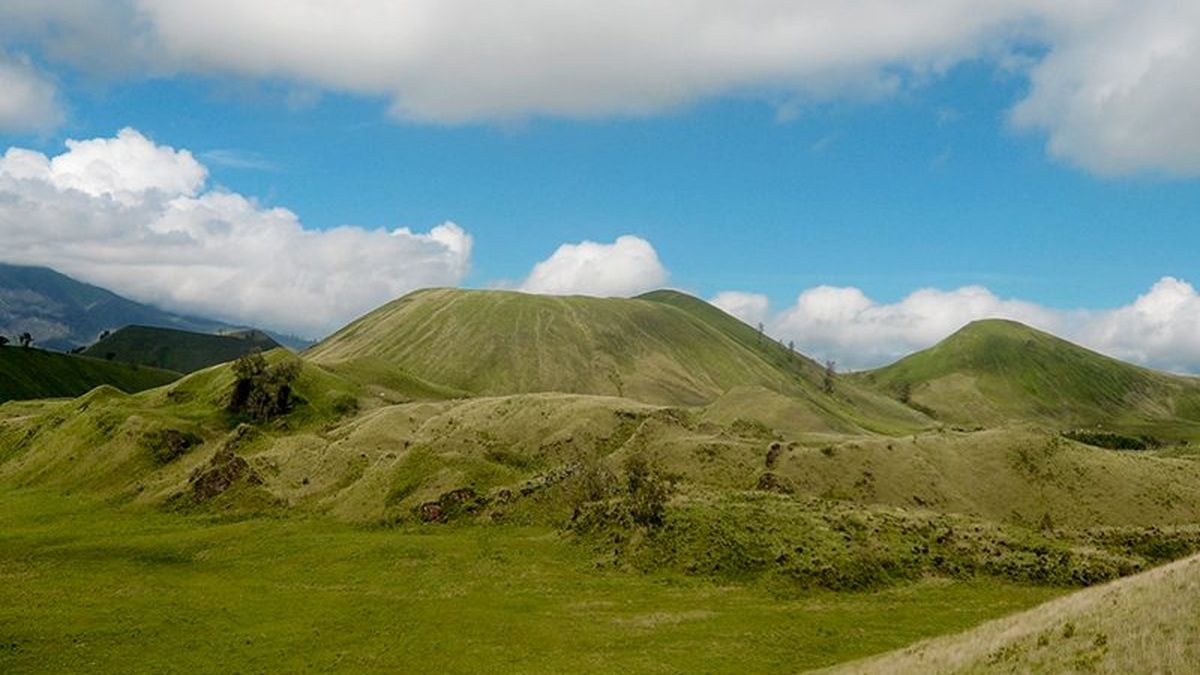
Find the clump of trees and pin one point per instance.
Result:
(262, 390)
(1105, 439)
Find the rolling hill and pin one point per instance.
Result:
(34, 373)
(500, 342)
(178, 350)
(663, 348)
(996, 371)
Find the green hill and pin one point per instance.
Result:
(997, 371)
(179, 350)
(501, 342)
(35, 373)
(663, 348)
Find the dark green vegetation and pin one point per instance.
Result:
(178, 350)
(34, 373)
(718, 489)
(996, 371)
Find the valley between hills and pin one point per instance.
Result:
(465, 479)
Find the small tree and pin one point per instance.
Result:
(26, 339)
(760, 331)
(830, 373)
(262, 391)
(3, 340)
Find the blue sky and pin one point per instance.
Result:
(932, 189)
(913, 176)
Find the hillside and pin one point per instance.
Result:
(500, 342)
(997, 371)
(1142, 624)
(178, 350)
(666, 348)
(34, 373)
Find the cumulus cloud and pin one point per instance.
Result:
(749, 307)
(1118, 91)
(136, 217)
(28, 100)
(1161, 328)
(628, 266)
(1111, 81)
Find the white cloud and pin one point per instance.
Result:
(749, 307)
(1112, 82)
(28, 100)
(135, 217)
(627, 266)
(1118, 91)
(1160, 328)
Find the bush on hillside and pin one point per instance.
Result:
(262, 391)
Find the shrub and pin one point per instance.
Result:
(262, 391)
(648, 489)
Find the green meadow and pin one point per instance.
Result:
(87, 586)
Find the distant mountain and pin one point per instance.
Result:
(62, 313)
(36, 373)
(178, 350)
(995, 371)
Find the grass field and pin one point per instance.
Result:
(87, 587)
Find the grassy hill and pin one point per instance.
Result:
(500, 342)
(35, 373)
(178, 350)
(998, 371)
(1142, 624)
(664, 348)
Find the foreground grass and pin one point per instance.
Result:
(101, 589)
(1148, 623)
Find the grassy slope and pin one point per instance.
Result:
(1142, 624)
(852, 407)
(499, 342)
(34, 373)
(178, 350)
(665, 348)
(1011, 474)
(995, 371)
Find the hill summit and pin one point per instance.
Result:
(997, 370)
(503, 342)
